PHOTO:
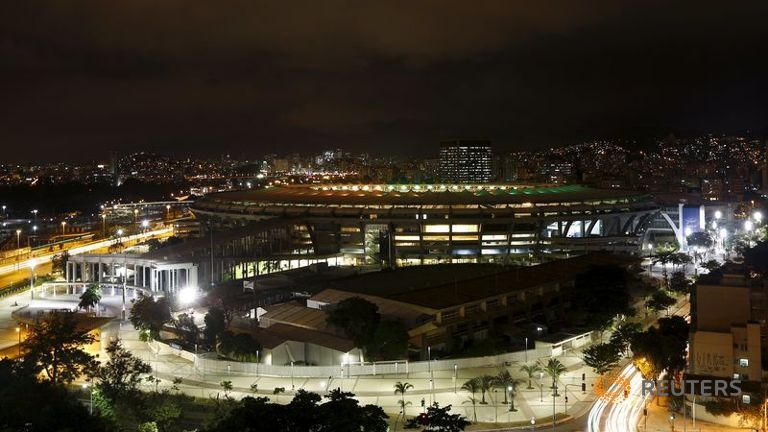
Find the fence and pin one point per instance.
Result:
(215, 366)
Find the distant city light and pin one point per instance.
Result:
(718, 214)
(748, 225)
(758, 216)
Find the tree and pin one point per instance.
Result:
(27, 400)
(401, 388)
(390, 342)
(679, 283)
(55, 345)
(531, 370)
(186, 327)
(508, 385)
(239, 346)
(359, 319)
(120, 376)
(215, 324)
(90, 297)
(623, 334)
(485, 383)
(701, 239)
(602, 357)
(472, 386)
(554, 369)
(438, 419)
(149, 315)
(712, 265)
(663, 257)
(661, 348)
(59, 262)
(226, 299)
(756, 258)
(343, 413)
(660, 301)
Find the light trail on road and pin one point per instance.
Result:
(32, 262)
(615, 415)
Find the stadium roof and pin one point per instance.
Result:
(438, 194)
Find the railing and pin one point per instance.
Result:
(215, 366)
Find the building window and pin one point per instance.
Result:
(744, 362)
(746, 399)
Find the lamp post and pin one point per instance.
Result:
(511, 403)
(455, 376)
(135, 215)
(18, 236)
(167, 211)
(63, 224)
(541, 387)
(90, 405)
(526, 349)
(104, 224)
(533, 423)
(18, 333)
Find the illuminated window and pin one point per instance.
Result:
(465, 228)
(744, 362)
(436, 228)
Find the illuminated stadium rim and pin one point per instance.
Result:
(420, 195)
(423, 188)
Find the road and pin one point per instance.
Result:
(90, 247)
(614, 412)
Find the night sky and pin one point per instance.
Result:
(81, 78)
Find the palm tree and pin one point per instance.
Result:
(512, 389)
(531, 370)
(401, 388)
(472, 386)
(507, 383)
(485, 382)
(554, 369)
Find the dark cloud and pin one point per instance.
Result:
(81, 78)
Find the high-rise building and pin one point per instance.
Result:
(466, 161)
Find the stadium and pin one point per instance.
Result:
(398, 225)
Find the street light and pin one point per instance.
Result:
(187, 295)
(718, 214)
(748, 226)
(145, 224)
(18, 234)
(104, 224)
(758, 216)
(63, 224)
(18, 333)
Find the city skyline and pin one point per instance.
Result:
(298, 79)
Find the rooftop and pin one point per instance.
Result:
(444, 286)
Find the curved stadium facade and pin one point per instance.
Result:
(425, 224)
